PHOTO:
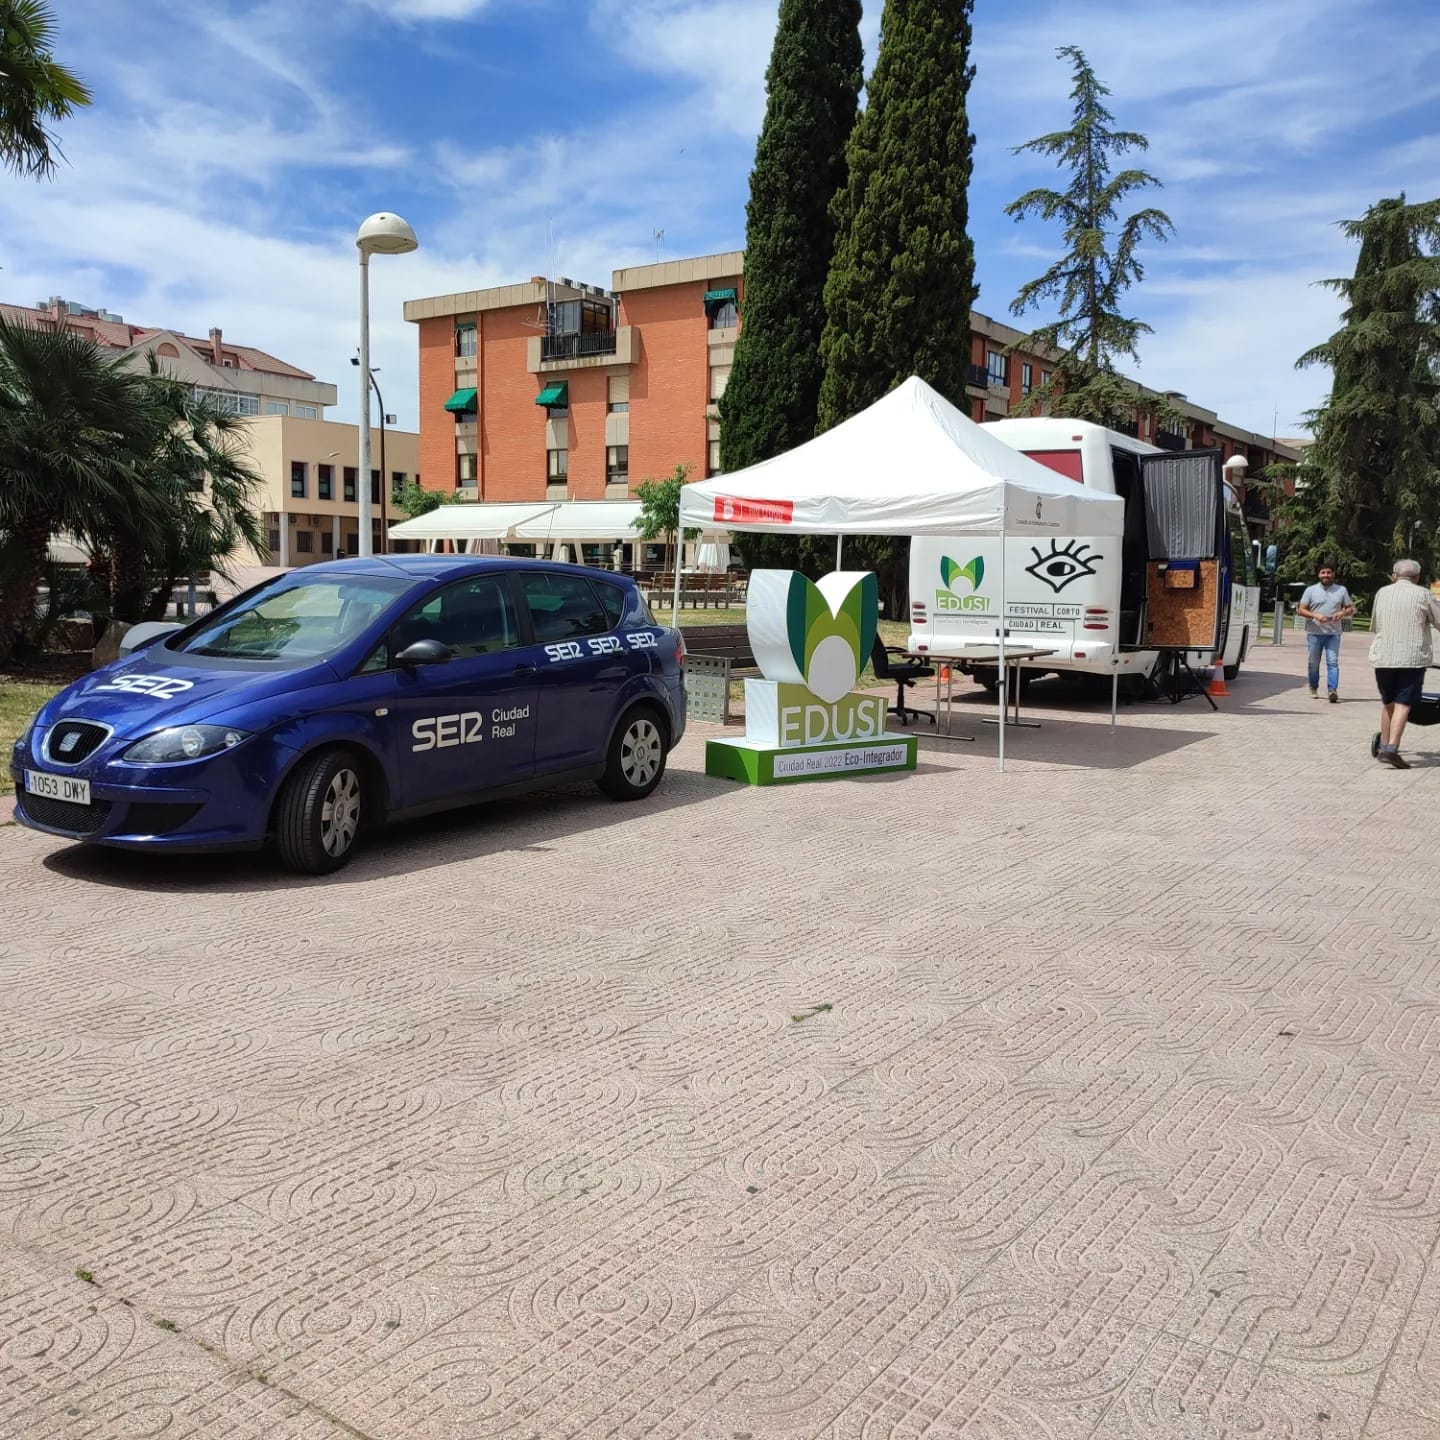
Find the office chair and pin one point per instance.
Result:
(906, 673)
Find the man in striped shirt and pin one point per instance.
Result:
(1401, 620)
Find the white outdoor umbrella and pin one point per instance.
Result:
(714, 557)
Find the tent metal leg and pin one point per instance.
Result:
(1001, 634)
(1114, 693)
(839, 543)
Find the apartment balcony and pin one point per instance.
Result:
(978, 376)
(1169, 440)
(581, 351)
(1128, 427)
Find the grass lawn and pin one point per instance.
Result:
(19, 700)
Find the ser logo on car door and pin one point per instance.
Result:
(440, 732)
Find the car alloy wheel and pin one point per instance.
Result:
(340, 812)
(641, 752)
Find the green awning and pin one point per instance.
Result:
(718, 297)
(462, 401)
(556, 394)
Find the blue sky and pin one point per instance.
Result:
(234, 145)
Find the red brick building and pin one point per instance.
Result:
(554, 389)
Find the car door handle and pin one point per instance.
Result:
(526, 669)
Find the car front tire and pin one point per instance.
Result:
(317, 821)
(636, 760)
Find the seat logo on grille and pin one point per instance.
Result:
(71, 740)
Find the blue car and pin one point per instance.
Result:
(333, 698)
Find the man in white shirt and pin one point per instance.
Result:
(1400, 623)
(1325, 607)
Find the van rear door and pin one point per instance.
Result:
(1186, 574)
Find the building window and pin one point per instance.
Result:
(230, 401)
(325, 482)
(352, 541)
(272, 538)
(276, 407)
(465, 342)
(619, 407)
(465, 477)
(997, 365)
(722, 309)
(397, 482)
(1027, 376)
(297, 480)
(374, 487)
(327, 542)
(305, 542)
(712, 458)
(352, 473)
(306, 412)
(1045, 376)
(617, 465)
(557, 465)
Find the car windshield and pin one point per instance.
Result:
(295, 620)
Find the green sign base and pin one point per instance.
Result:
(771, 765)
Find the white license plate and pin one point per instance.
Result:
(57, 787)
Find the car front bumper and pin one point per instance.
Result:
(219, 802)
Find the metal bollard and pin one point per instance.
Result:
(1279, 638)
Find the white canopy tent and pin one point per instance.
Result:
(912, 464)
(593, 520)
(467, 522)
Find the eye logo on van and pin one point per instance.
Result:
(1062, 565)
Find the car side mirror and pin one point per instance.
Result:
(423, 652)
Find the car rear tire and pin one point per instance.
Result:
(318, 818)
(636, 761)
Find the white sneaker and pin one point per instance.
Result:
(1314, 694)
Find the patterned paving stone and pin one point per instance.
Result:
(1097, 1101)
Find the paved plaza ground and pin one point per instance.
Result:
(1097, 1099)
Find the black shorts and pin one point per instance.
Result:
(1399, 687)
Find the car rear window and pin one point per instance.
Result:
(563, 606)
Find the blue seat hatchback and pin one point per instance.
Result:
(330, 699)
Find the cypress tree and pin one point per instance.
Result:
(898, 297)
(813, 90)
(1369, 489)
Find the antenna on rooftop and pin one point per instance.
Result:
(657, 236)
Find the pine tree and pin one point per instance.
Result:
(898, 297)
(1099, 265)
(1373, 491)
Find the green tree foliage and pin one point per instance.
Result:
(1100, 262)
(35, 90)
(415, 501)
(660, 507)
(898, 297)
(813, 89)
(150, 479)
(1369, 490)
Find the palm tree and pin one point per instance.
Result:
(34, 89)
(194, 502)
(72, 423)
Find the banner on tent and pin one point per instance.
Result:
(811, 641)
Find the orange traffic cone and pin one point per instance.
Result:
(1216, 687)
(944, 674)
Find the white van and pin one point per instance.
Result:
(1084, 597)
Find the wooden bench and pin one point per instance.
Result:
(714, 654)
(700, 591)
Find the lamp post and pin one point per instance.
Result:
(379, 400)
(381, 234)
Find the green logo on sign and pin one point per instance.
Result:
(952, 570)
(830, 647)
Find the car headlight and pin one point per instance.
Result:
(22, 740)
(184, 742)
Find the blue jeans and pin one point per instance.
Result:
(1329, 646)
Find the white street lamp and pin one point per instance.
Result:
(382, 234)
